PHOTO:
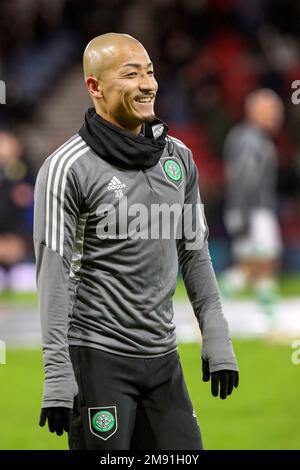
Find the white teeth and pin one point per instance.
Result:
(144, 100)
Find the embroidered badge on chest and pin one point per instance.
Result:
(116, 186)
(172, 171)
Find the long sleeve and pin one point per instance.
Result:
(200, 281)
(56, 211)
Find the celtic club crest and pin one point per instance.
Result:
(173, 170)
(103, 421)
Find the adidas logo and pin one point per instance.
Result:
(115, 184)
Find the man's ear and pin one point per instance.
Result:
(94, 88)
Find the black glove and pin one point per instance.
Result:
(226, 379)
(58, 419)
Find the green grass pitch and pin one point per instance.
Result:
(264, 412)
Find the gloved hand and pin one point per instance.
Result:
(58, 419)
(224, 380)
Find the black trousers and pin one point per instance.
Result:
(129, 403)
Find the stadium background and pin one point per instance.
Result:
(208, 55)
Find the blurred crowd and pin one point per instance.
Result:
(16, 207)
(208, 55)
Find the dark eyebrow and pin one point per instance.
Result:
(136, 65)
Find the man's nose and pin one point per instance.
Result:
(147, 83)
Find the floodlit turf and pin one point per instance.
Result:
(264, 413)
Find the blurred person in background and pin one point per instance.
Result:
(16, 199)
(250, 207)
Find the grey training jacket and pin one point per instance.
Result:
(115, 294)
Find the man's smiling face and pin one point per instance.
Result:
(128, 88)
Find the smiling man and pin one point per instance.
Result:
(113, 65)
(113, 377)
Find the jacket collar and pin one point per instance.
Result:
(121, 147)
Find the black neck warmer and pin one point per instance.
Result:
(121, 147)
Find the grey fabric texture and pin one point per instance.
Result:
(115, 294)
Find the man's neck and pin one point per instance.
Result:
(111, 120)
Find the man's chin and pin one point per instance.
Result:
(149, 119)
